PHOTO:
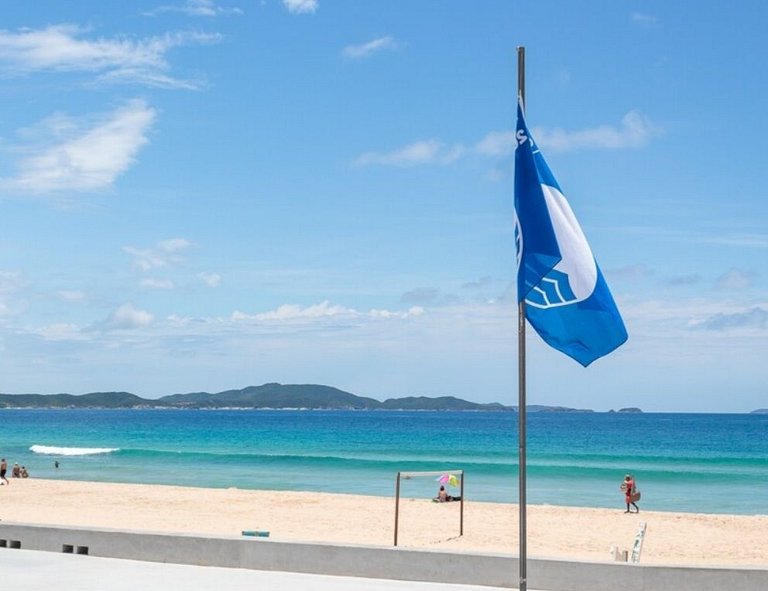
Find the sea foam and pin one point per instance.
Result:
(71, 451)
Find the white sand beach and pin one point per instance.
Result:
(553, 531)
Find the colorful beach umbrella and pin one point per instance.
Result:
(448, 479)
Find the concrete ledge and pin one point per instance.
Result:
(559, 575)
(265, 554)
(500, 570)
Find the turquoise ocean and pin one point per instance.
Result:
(699, 463)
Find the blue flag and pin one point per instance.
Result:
(567, 300)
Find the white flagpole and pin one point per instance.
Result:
(521, 406)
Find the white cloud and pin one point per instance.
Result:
(753, 319)
(367, 49)
(481, 283)
(683, 280)
(10, 282)
(60, 48)
(497, 143)
(195, 8)
(634, 131)
(126, 317)
(61, 332)
(71, 295)
(301, 6)
(284, 322)
(174, 244)
(665, 324)
(421, 152)
(291, 312)
(210, 279)
(421, 295)
(82, 159)
(163, 254)
(157, 283)
(642, 18)
(413, 311)
(637, 272)
(748, 240)
(153, 79)
(735, 279)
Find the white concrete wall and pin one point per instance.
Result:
(375, 561)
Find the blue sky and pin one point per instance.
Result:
(208, 194)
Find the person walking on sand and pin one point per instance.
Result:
(630, 493)
(3, 470)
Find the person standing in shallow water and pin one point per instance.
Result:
(3, 470)
(628, 486)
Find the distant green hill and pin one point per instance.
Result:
(266, 396)
(273, 396)
(440, 403)
(540, 408)
(92, 400)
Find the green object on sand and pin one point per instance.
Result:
(256, 533)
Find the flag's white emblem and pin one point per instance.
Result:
(574, 278)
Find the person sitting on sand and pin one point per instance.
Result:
(24, 473)
(628, 486)
(444, 497)
(16, 471)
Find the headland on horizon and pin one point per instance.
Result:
(275, 396)
(267, 396)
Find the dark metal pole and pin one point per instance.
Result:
(461, 513)
(397, 505)
(521, 73)
(521, 434)
(521, 407)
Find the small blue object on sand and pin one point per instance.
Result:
(256, 533)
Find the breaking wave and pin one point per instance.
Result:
(71, 451)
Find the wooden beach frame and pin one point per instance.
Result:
(409, 475)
